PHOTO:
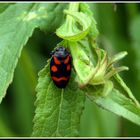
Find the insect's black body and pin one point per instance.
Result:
(60, 67)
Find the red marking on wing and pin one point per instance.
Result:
(68, 67)
(56, 61)
(54, 68)
(59, 79)
(67, 60)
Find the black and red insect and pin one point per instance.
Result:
(60, 66)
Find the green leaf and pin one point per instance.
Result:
(4, 6)
(15, 29)
(58, 111)
(76, 26)
(80, 61)
(117, 57)
(55, 16)
(120, 105)
(93, 29)
(17, 24)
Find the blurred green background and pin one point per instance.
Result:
(119, 27)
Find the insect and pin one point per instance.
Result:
(60, 66)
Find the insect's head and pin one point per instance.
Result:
(60, 52)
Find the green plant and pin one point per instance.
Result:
(94, 74)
